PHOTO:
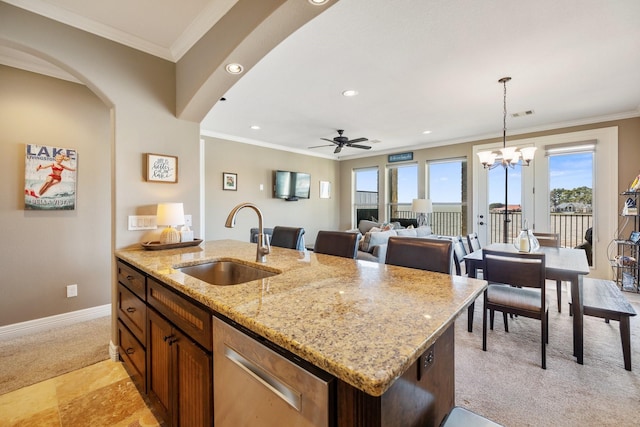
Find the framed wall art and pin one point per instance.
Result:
(162, 168)
(229, 181)
(50, 178)
(325, 190)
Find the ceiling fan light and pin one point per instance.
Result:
(318, 2)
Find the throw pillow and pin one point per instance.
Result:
(364, 242)
(365, 225)
(407, 232)
(424, 231)
(377, 238)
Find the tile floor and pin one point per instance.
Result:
(98, 395)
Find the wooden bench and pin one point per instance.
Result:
(602, 298)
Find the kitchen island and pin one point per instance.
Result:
(385, 333)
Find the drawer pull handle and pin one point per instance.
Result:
(130, 350)
(131, 309)
(279, 388)
(130, 278)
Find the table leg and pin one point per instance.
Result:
(578, 317)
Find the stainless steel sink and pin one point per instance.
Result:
(226, 272)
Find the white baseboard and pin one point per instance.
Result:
(45, 323)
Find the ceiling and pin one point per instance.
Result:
(428, 65)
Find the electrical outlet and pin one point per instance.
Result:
(187, 221)
(72, 291)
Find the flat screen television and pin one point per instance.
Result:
(291, 185)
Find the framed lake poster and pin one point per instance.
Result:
(50, 178)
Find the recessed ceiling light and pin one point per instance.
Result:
(426, 132)
(350, 92)
(234, 68)
(318, 2)
(255, 127)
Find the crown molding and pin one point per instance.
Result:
(74, 20)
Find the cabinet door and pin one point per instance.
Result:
(160, 335)
(192, 383)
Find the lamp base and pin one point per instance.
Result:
(421, 219)
(169, 235)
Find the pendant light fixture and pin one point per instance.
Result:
(508, 157)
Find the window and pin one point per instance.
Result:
(403, 188)
(571, 193)
(365, 194)
(447, 191)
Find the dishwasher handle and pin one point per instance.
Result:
(282, 390)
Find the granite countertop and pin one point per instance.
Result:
(361, 321)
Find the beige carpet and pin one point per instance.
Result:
(36, 357)
(507, 385)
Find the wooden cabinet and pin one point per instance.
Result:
(165, 343)
(132, 320)
(179, 360)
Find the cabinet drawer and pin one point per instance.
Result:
(191, 318)
(132, 311)
(133, 354)
(132, 279)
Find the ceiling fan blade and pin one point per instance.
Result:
(358, 140)
(318, 146)
(364, 147)
(330, 140)
(338, 149)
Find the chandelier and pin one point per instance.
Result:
(507, 156)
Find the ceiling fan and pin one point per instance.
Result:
(343, 141)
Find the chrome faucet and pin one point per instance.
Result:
(263, 241)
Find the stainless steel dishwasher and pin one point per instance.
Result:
(253, 385)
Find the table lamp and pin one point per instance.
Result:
(421, 207)
(170, 215)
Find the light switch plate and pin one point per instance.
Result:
(142, 222)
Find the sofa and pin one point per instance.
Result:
(373, 244)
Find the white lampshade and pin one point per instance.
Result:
(528, 153)
(487, 157)
(171, 215)
(421, 206)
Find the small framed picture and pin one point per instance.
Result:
(161, 168)
(325, 190)
(229, 181)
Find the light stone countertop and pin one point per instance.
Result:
(361, 321)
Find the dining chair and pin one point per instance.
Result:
(552, 240)
(287, 237)
(474, 243)
(338, 243)
(424, 254)
(459, 252)
(516, 286)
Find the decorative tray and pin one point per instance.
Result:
(156, 246)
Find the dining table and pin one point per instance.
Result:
(564, 264)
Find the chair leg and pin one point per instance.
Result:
(559, 294)
(491, 314)
(484, 323)
(544, 339)
(506, 325)
(470, 316)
